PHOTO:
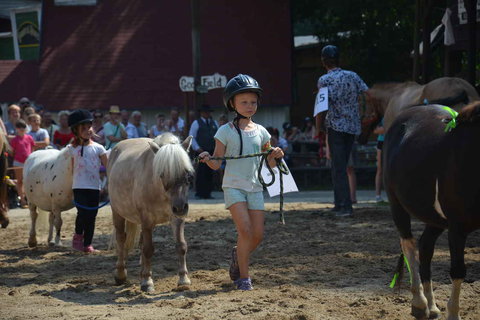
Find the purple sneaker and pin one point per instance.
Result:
(234, 269)
(244, 284)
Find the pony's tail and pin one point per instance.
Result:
(133, 235)
(399, 273)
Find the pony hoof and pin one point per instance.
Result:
(419, 313)
(434, 315)
(184, 282)
(5, 223)
(119, 281)
(51, 244)
(32, 243)
(182, 287)
(148, 288)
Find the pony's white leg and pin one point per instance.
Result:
(432, 304)
(147, 253)
(120, 235)
(32, 240)
(419, 301)
(50, 228)
(57, 221)
(181, 246)
(453, 306)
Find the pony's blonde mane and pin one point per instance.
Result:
(171, 161)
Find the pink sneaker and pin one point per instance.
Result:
(89, 249)
(77, 242)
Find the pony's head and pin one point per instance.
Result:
(371, 106)
(174, 168)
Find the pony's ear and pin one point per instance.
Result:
(187, 143)
(153, 146)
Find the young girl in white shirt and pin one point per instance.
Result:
(87, 157)
(242, 190)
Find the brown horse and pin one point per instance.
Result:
(433, 174)
(389, 99)
(148, 185)
(4, 220)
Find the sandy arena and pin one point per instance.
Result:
(314, 267)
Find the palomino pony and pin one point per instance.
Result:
(3, 184)
(433, 174)
(388, 100)
(47, 179)
(148, 185)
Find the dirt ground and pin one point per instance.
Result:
(314, 267)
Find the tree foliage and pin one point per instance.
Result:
(375, 37)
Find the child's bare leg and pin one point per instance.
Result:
(378, 175)
(20, 190)
(257, 220)
(241, 217)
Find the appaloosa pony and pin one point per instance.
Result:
(47, 179)
(148, 185)
(4, 220)
(433, 174)
(389, 99)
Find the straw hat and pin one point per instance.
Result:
(114, 109)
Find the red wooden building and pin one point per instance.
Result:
(133, 53)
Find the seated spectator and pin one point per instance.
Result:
(176, 124)
(139, 129)
(63, 135)
(49, 125)
(160, 127)
(39, 135)
(13, 116)
(308, 130)
(97, 126)
(26, 113)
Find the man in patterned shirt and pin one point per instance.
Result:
(342, 122)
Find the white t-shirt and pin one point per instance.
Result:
(86, 168)
(242, 173)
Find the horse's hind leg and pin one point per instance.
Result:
(403, 224)
(147, 253)
(456, 241)
(426, 247)
(181, 246)
(32, 239)
(120, 236)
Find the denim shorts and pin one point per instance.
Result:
(254, 200)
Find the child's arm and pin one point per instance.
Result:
(104, 160)
(218, 152)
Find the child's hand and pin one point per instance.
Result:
(204, 156)
(277, 153)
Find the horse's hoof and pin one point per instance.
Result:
(148, 288)
(32, 243)
(181, 288)
(184, 281)
(51, 244)
(5, 223)
(119, 281)
(435, 315)
(419, 313)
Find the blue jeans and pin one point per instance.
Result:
(340, 144)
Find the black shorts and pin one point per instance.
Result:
(379, 145)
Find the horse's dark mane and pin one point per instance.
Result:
(470, 113)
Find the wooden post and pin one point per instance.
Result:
(416, 42)
(427, 29)
(471, 6)
(195, 4)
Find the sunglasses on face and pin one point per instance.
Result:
(97, 117)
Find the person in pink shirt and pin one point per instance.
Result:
(22, 146)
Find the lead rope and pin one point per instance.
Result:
(281, 168)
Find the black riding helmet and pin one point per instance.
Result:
(330, 52)
(79, 116)
(76, 118)
(238, 84)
